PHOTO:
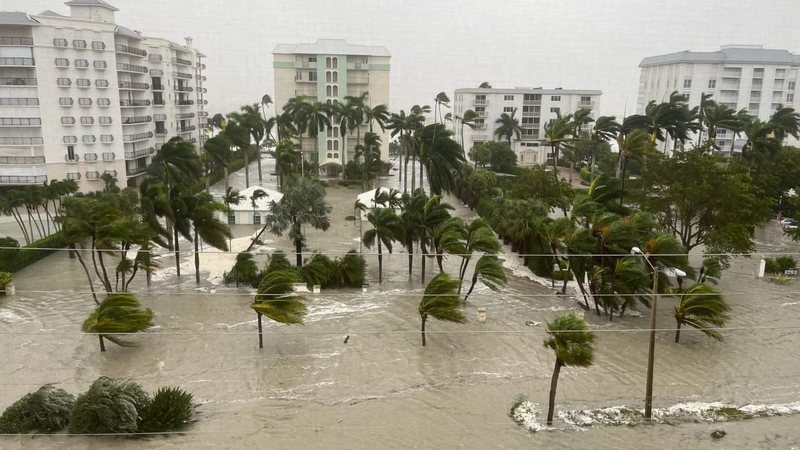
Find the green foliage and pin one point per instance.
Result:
(244, 270)
(440, 300)
(109, 406)
(779, 264)
(537, 184)
(278, 261)
(571, 340)
(170, 409)
(119, 312)
(350, 270)
(275, 297)
(319, 270)
(16, 260)
(703, 308)
(45, 411)
(5, 278)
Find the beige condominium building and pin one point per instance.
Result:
(81, 96)
(328, 71)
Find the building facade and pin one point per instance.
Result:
(532, 107)
(328, 71)
(740, 76)
(81, 96)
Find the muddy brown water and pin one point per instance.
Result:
(308, 389)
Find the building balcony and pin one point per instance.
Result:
(134, 103)
(185, 115)
(159, 102)
(478, 137)
(128, 50)
(532, 102)
(482, 114)
(139, 153)
(71, 159)
(135, 171)
(479, 102)
(24, 160)
(529, 137)
(20, 122)
(90, 157)
(357, 66)
(187, 129)
(17, 62)
(161, 132)
(14, 41)
(14, 141)
(109, 156)
(158, 87)
(300, 65)
(133, 86)
(182, 62)
(184, 89)
(137, 137)
(132, 68)
(185, 76)
(136, 120)
(585, 104)
(22, 179)
(14, 81)
(180, 102)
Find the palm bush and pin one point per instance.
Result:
(441, 302)
(318, 270)
(278, 261)
(275, 299)
(170, 409)
(120, 312)
(703, 308)
(244, 271)
(573, 345)
(109, 406)
(490, 271)
(350, 270)
(45, 411)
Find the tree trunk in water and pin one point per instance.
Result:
(177, 252)
(246, 170)
(424, 318)
(553, 386)
(678, 332)
(102, 344)
(298, 248)
(410, 262)
(86, 271)
(439, 259)
(423, 264)
(380, 263)
(471, 286)
(196, 258)
(260, 333)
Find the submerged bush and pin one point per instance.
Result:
(170, 409)
(45, 411)
(109, 406)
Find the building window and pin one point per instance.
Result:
(365, 60)
(102, 102)
(231, 218)
(758, 72)
(508, 109)
(105, 120)
(89, 139)
(687, 83)
(336, 91)
(87, 120)
(780, 73)
(102, 84)
(508, 98)
(256, 219)
(312, 75)
(83, 82)
(70, 140)
(789, 98)
(62, 62)
(100, 65)
(712, 83)
(98, 45)
(298, 75)
(790, 85)
(327, 76)
(336, 132)
(59, 42)
(335, 77)
(328, 63)
(81, 63)
(73, 176)
(67, 121)
(328, 91)
(79, 43)
(555, 110)
(312, 59)
(85, 101)
(532, 97)
(66, 101)
(64, 82)
(335, 62)
(555, 98)
(330, 155)
(336, 146)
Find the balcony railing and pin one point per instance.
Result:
(532, 102)
(585, 104)
(109, 156)
(184, 102)
(159, 102)
(184, 89)
(90, 157)
(183, 62)
(158, 87)
(9, 61)
(187, 129)
(133, 171)
(137, 136)
(20, 122)
(10, 81)
(123, 67)
(134, 103)
(161, 132)
(13, 40)
(136, 120)
(185, 115)
(132, 85)
(182, 75)
(73, 159)
(133, 154)
(480, 102)
(23, 141)
(22, 160)
(23, 179)
(130, 50)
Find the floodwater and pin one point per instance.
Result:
(307, 388)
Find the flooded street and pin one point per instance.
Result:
(307, 388)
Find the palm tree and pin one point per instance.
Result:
(485, 85)
(239, 135)
(635, 145)
(786, 122)
(378, 115)
(202, 212)
(275, 299)
(508, 126)
(434, 212)
(490, 271)
(249, 117)
(266, 100)
(386, 228)
(319, 118)
(441, 302)
(442, 157)
(176, 162)
(703, 308)
(469, 119)
(244, 269)
(440, 100)
(605, 129)
(716, 116)
(760, 141)
(257, 195)
(287, 160)
(119, 312)
(558, 131)
(573, 345)
(219, 149)
(479, 238)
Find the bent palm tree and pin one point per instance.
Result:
(490, 271)
(441, 302)
(386, 228)
(119, 312)
(275, 299)
(573, 346)
(508, 126)
(703, 308)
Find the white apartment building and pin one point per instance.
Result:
(739, 76)
(81, 96)
(328, 71)
(534, 108)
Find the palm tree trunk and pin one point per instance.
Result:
(622, 180)
(102, 344)
(472, 286)
(18, 218)
(298, 248)
(260, 332)
(421, 180)
(258, 155)
(439, 258)
(196, 258)
(410, 261)
(106, 280)
(413, 171)
(86, 271)
(424, 318)
(678, 332)
(553, 387)
(380, 263)
(591, 167)
(177, 252)
(422, 252)
(246, 170)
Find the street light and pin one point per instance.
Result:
(648, 396)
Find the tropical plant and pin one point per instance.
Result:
(244, 270)
(109, 407)
(206, 226)
(573, 345)
(490, 271)
(119, 312)
(508, 126)
(170, 409)
(439, 101)
(440, 301)
(479, 238)
(350, 270)
(319, 270)
(703, 308)
(250, 118)
(45, 411)
(442, 158)
(386, 228)
(276, 300)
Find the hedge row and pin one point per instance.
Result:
(15, 260)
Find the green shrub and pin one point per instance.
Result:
(779, 264)
(170, 409)
(349, 270)
(5, 278)
(350, 218)
(586, 174)
(109, 406)
(16, 260)
(486, 207)
(45, 411)
(561, 275)
(318, 270)
(244, 271)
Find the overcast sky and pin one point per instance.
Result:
(441, 45)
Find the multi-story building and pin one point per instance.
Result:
(532, 107)
(740, 76)
(81, 96)
(328, 71)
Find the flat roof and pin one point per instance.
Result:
(332, 47)
(735, 54)
(523, 90)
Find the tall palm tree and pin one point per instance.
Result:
(490, 271)
(760, 141)
(266, 100)
(176, 162)
(634, 145)
(605, 129)
(716, 116)
(573, 345)
(319, 119)
(442, 157)
(386, 228)
(351, 114)
(412, 207)
(485, 85)
(440, 100)
(434, 213)
(275, 299)
(239, 135)
(399, 124)
(287, 160)
(219, 149)
(440, 302)
(467, 119)
(206, 226)
(786, 122)
(703, 308)
(118, 313)
(508, 126)
(249, 117)
(479, 238)
(556, 132)
(231, 197)
(378, 115)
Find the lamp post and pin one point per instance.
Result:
(648, 396)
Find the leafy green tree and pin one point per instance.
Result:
(606, 128)
(45, 411)
(386, 228)
(218, 148)
(109, 407)
(440, 301)
(350, 270)
(250, 118)
(481, 154)
(635, 145)
(442, 158)
(703, 308)
(558, 132)
(573, 345)
(319, 270)
(276, 300)
(502, 159)
(119, 312)
(478, 238)
(536, 184)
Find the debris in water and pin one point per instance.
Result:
(531, 323)
(718, 434)
(347, 339)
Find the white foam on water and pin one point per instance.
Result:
(9, 317)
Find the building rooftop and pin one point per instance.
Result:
(16, 18)
(262, 204)
(332, 47)
(50, 13)
(99, 3)
(524, 90)
(127, 32)
(741, 54)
